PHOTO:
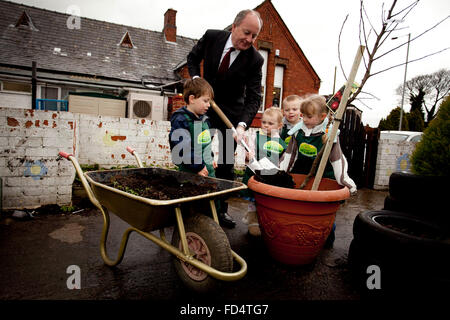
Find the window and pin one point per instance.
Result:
(126, 41)
(16, 86)
(278, 86)
(50, 93)
(25, 21)
(265, 55)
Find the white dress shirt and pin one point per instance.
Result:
(233, 55)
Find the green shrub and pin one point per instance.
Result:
(432, 153)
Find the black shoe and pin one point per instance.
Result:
(330, 241)
(225, 220)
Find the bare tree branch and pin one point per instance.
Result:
(361, 24)
(409, 8)
(367, 17)
(414, 60)
(339, 49)
(359, 100)
(382, 55)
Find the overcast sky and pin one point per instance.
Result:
(315, 26)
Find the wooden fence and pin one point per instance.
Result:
(359, 144)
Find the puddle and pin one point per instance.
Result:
(70, 233)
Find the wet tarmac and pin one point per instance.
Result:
(36, 253)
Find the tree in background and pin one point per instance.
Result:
(374, 37)
(392, 120)
(417, 101)
(415, 121)
(428, 90)
(432, 153)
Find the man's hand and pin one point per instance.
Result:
(240, 130)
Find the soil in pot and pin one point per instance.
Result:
(279, 179)
(159, 187)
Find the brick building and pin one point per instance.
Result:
(286, 69)
(143, 68)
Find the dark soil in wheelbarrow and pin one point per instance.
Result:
(160, 187)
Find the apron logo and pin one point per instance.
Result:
(204, 137)
(273, 146)
(307, 150)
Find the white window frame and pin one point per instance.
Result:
(39, 90)
(278, 81)
(265, 55)
(14, 92)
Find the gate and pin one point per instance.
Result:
(359, 144)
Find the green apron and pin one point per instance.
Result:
(200, 143)
(308, 148)
(284, 134)
(266, 147)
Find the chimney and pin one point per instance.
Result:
(170, 25)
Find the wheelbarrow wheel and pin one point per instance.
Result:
(209, 244)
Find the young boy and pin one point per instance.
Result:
(291, 112)
(267, 144)
(189, 137)
(308, 137)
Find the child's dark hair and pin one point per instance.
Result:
(197, 87)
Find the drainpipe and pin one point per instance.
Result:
(33, 85)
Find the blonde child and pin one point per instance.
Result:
(267, 143)
(292, 115)
(308, 137)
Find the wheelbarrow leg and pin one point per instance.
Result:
(104, 211)
(104, 237)
(181, 230)
(212, 204)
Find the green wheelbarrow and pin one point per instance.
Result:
(202, 255)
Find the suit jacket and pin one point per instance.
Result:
(237, 92)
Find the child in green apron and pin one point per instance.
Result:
(267, 144)
(308, 137)
(189, 137)
(292, 115)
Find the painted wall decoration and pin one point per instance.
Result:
(35, 169)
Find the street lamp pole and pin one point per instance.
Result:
(404, 84)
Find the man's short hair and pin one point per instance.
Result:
(242, 14)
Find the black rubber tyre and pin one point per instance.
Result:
(419, 194)
(397, 280)
(402, 239)
(210, 244)
(432, 213)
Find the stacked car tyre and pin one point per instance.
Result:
(410, 248)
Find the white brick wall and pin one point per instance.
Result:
(29, 145)
(392, 156)
(32, 175)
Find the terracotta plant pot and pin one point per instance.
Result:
(295, 223)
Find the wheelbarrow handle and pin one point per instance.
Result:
(130, 150)
(136, 156)
(65, 154)
(83, 179)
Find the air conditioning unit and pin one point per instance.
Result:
(145, 106)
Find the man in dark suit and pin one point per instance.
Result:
(233, 68)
